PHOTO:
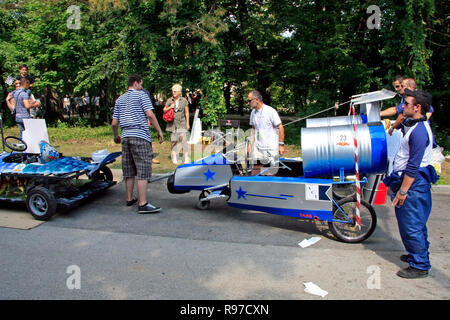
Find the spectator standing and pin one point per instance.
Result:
(23, 70)
(66, 104)
(133, 112)
(267, 135)
(23, 103)
(180, 124)
(410, 185)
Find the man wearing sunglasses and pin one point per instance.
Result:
(267, 135)
(410, 184)
(392, 111)
(410, 84)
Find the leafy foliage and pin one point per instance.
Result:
(301, 55)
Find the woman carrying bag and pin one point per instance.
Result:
(180, 124)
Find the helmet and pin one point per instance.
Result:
(48, 153)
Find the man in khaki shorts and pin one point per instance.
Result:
(267, 136)
(133, 112)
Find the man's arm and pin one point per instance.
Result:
(389, 112)
(10, 102)
(252, 140)
(406, 184)
(115, 130)
(29, 104)
(281, 134)
(397, 122)
(151, 118)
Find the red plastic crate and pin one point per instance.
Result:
(380, 196)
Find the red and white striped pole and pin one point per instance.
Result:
(357, 183)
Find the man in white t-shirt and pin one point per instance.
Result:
(267, 136)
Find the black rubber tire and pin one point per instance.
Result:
(203, 205)
(368, 221)
(103, 174)
(41, 203)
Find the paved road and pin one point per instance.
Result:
(222, 253)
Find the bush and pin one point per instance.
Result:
(442, 139)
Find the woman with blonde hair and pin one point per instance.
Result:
(180, 124)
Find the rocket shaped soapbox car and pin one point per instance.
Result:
(320, 185)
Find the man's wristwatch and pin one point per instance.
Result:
(403, 193)
(281, 143)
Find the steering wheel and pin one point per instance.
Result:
(19, 145)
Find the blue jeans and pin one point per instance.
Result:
(412, 218)
(21, 128)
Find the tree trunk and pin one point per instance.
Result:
(227, 96)
(53, 110)
(104, 103)
(5, 93)
(263, 80)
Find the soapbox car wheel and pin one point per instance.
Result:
(203, 205)
(15, 144)
(41, 203)
(102, 174)
(344, 226)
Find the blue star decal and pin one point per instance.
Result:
(209, 175)
(241, 193)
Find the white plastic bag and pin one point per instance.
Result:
(437, 158)
(99, 155)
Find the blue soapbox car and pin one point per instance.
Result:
(49, 180)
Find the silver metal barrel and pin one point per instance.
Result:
(332, 121)
(327, 150)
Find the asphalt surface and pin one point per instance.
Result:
(220, 253)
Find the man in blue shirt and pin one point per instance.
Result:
(392, 111)
(408, 83)
(133, 112)
(410, 184)
(23, 103)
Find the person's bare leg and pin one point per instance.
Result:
(129, 185)
(142, 191)
(186, 149)
(173, 153)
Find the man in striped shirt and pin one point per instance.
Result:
(133, 112)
